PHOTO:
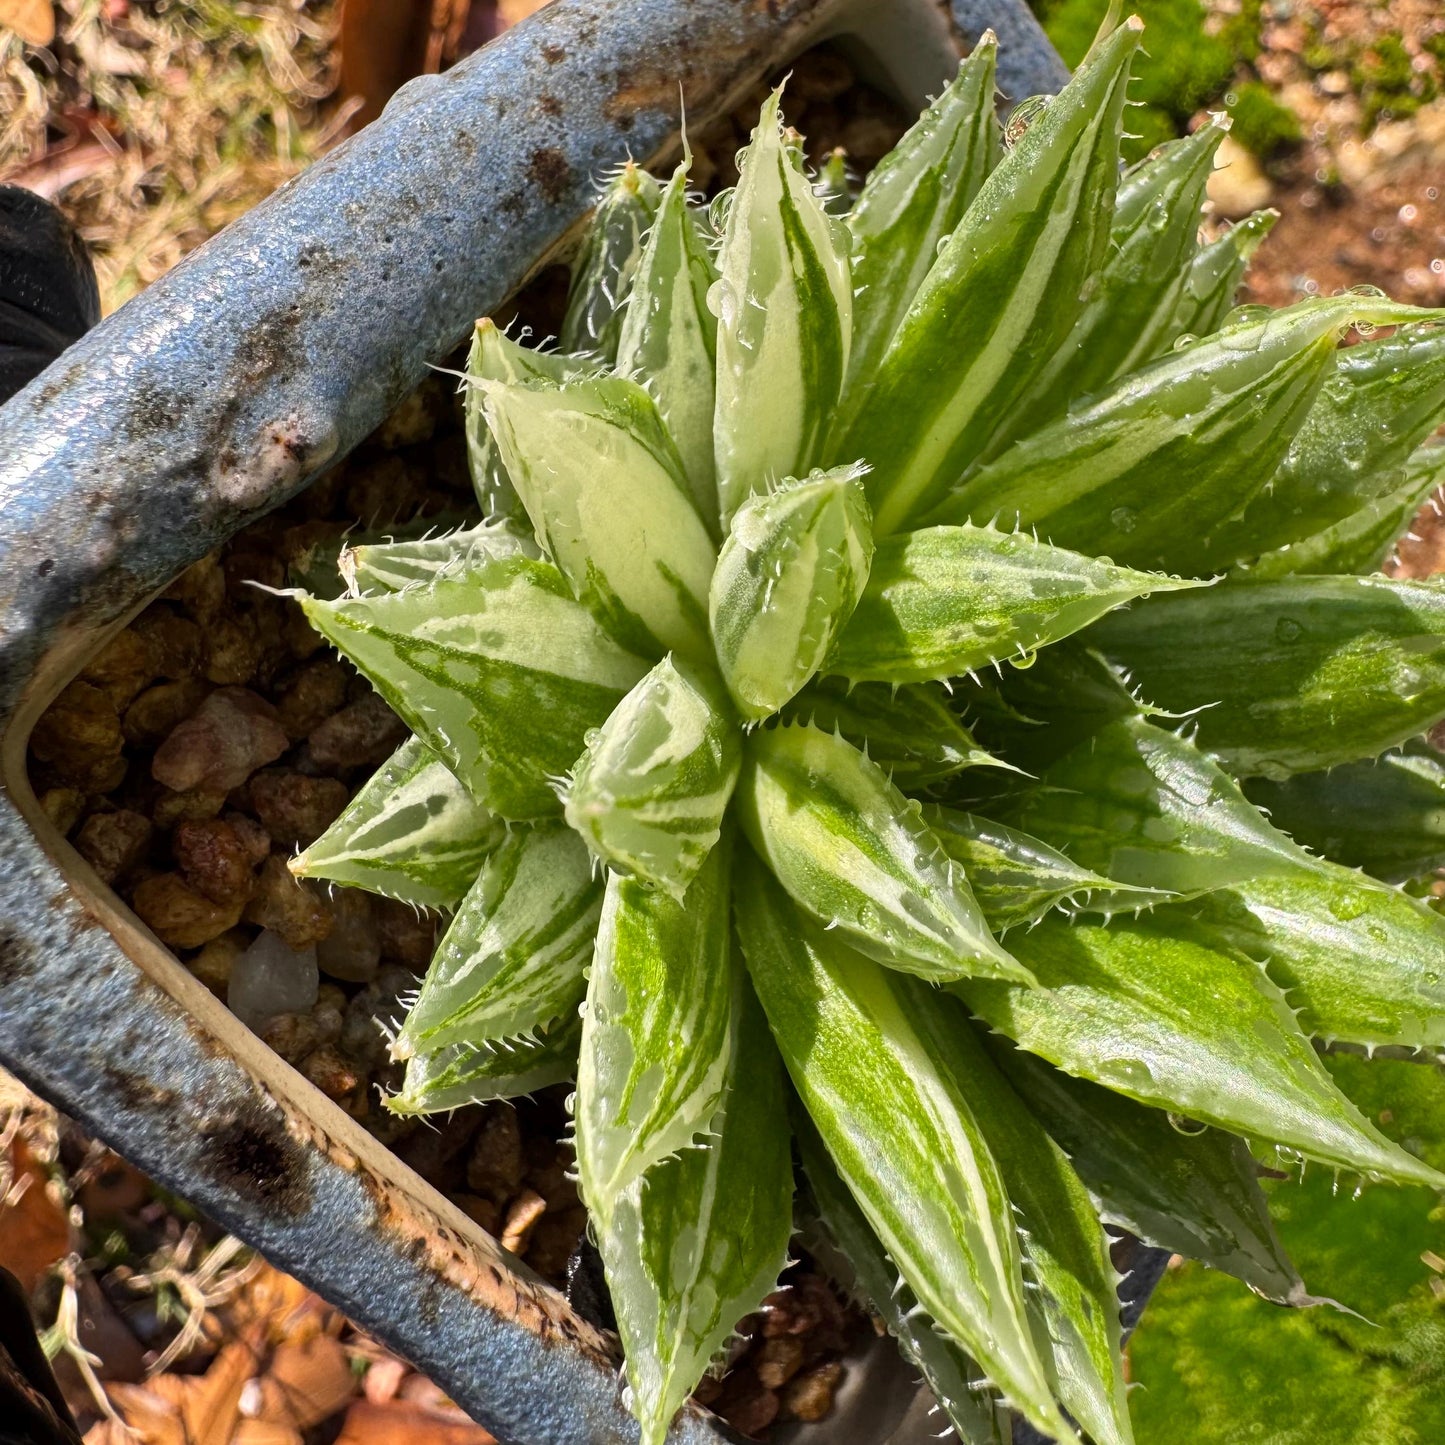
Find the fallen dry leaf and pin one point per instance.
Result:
(32, 20)
(34, 1230)
(401, 1422)
(263, 1432)
(187, 1409)
(305, 1384)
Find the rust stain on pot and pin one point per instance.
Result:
(252, 1154)
(552, 172)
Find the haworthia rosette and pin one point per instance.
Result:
(1215, 274)
(849, 848)
(949, 600)
(908, 1146)
(604, 486)
(603, 271)
(412, 833)
(700, 1239)
(1000, 298)
(1294, 674)
(784, 304)
(649, 793)
(658, 1026)
(497, 669)
(389, 566)
(791, 571)
(1144, 1009)
(1176, 1184)
(669, 337)
(914, 200)
(513, 959)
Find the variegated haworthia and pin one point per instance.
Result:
(924, 590)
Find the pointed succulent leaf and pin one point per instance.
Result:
(909, 731)
(1184, 1187)
(603, 271)
(870, 1069)
(372, 567)
(513, 960)
(949, 600)
(789, 575)
(998, 301)
(605, 489)
(1291, 675)
(1215, 418)
(1383, 399)
(1074, 1302)
(833, 186)
(914, 200)
(461, 1074)
(849, 848)
(494, 356)
(658, 1027)
(669, 337)
(412, 833)
(946, 1369)
(1385, 815)
(649, 793)
(1018, 879)
(700, 1239)
(784, 305)
(1215, 274)
(1143, 1008)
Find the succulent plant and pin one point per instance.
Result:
(850, 726)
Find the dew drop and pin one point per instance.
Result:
(1124, 518)
(1287, 629)
(1181, 1124)
(1025, 113)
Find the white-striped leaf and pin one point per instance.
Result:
(700, 1239)
(494, 356)
(412, 833)
(1215, 274)
(789, 575)
(999, 300)
(497, 669)
(914, 200)
(669, 337)
(514, 959)
(854, 852)
(649, 794)
(462, 1074)
(866, 1063)
(1188, 1189)
(603, 271)
(1144, 1008)
(657, 1032)
(605, 489)
(389, 566)
(784, 306)
(949, 600)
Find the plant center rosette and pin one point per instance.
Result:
(847, 729)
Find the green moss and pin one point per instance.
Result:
(1260, 123)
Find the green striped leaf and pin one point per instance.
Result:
(513, 960)
(949, 600)
(1182, 1186)
(700, 1239)
(832, 184)
(784, 306)
(658, 1027)
(854, 852)
(605, 489)
(462, 1074)
(494, 356)
(1291, 675)
(648, 795)
(788, 577)
(870, 1069)
(1074, 1305)
(909, 731)
(999, 300)
(914, 200)
(1385, 815)
(954, 1378)
(389, 566)
(496, 669)
(1144, 1009)
(1019, 880)
(1215, 418)
(669, 337)
(603, 271)
(1215, 274)
(412, 833)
